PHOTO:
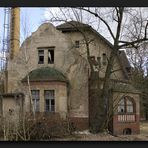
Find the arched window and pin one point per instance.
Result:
(126, 105)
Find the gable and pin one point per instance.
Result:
(103, 45)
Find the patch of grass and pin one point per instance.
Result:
(144, 127)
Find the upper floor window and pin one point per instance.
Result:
(46, 55)
(126, 105)
(51, 56)
(49, 100)
(40, 56)
(77, 44)
(104, 59)
(35, 99)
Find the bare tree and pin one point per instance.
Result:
(19, 128)
(127, 27)
(25, 34)
(138, 57)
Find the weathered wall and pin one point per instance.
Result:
(67, 61)
(60, 95)
(11, 108)
(97, 48)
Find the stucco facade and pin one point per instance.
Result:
(67, 61)
(71, 97)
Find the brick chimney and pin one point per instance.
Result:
(14, 32)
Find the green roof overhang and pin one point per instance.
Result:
(45, 74)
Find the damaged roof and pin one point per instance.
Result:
(45, 74)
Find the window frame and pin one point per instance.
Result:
(36, 100)
(125, 105)
(51, 51)
(50, 101)
(41, 55)
(104, 59)
(77, 44)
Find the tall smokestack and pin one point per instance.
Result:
(14, 32)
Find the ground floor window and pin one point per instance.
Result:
(36, 99)
(126, 105)
(49, 100)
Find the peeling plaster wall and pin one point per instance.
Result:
(60, 95)
(67, 61)
(71, 61)
(97, 48)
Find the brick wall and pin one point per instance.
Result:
(119, 126)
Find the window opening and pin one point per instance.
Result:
(41, 57)
(49, 100)
(35, 99)
(104, 59)
(125, 105)
(50, 56)
(77, 44)
(127, 131)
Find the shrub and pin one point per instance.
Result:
(38, 127)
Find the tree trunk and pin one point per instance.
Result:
(96, 104)
(98, 99)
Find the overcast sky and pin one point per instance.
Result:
(35, 17)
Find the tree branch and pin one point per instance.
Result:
(126, 43)
(116, 70)
(96, 15)
(146, 29)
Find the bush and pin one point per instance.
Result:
(40, 127)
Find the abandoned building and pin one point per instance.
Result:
(52, 65)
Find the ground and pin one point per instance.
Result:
(86, 136)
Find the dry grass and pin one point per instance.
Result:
(86, 136)
(144, 128)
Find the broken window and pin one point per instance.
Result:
(41, 57)
(126, 105)
(77, 44)
(49, 100)
(51, 56)
(35, 99)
